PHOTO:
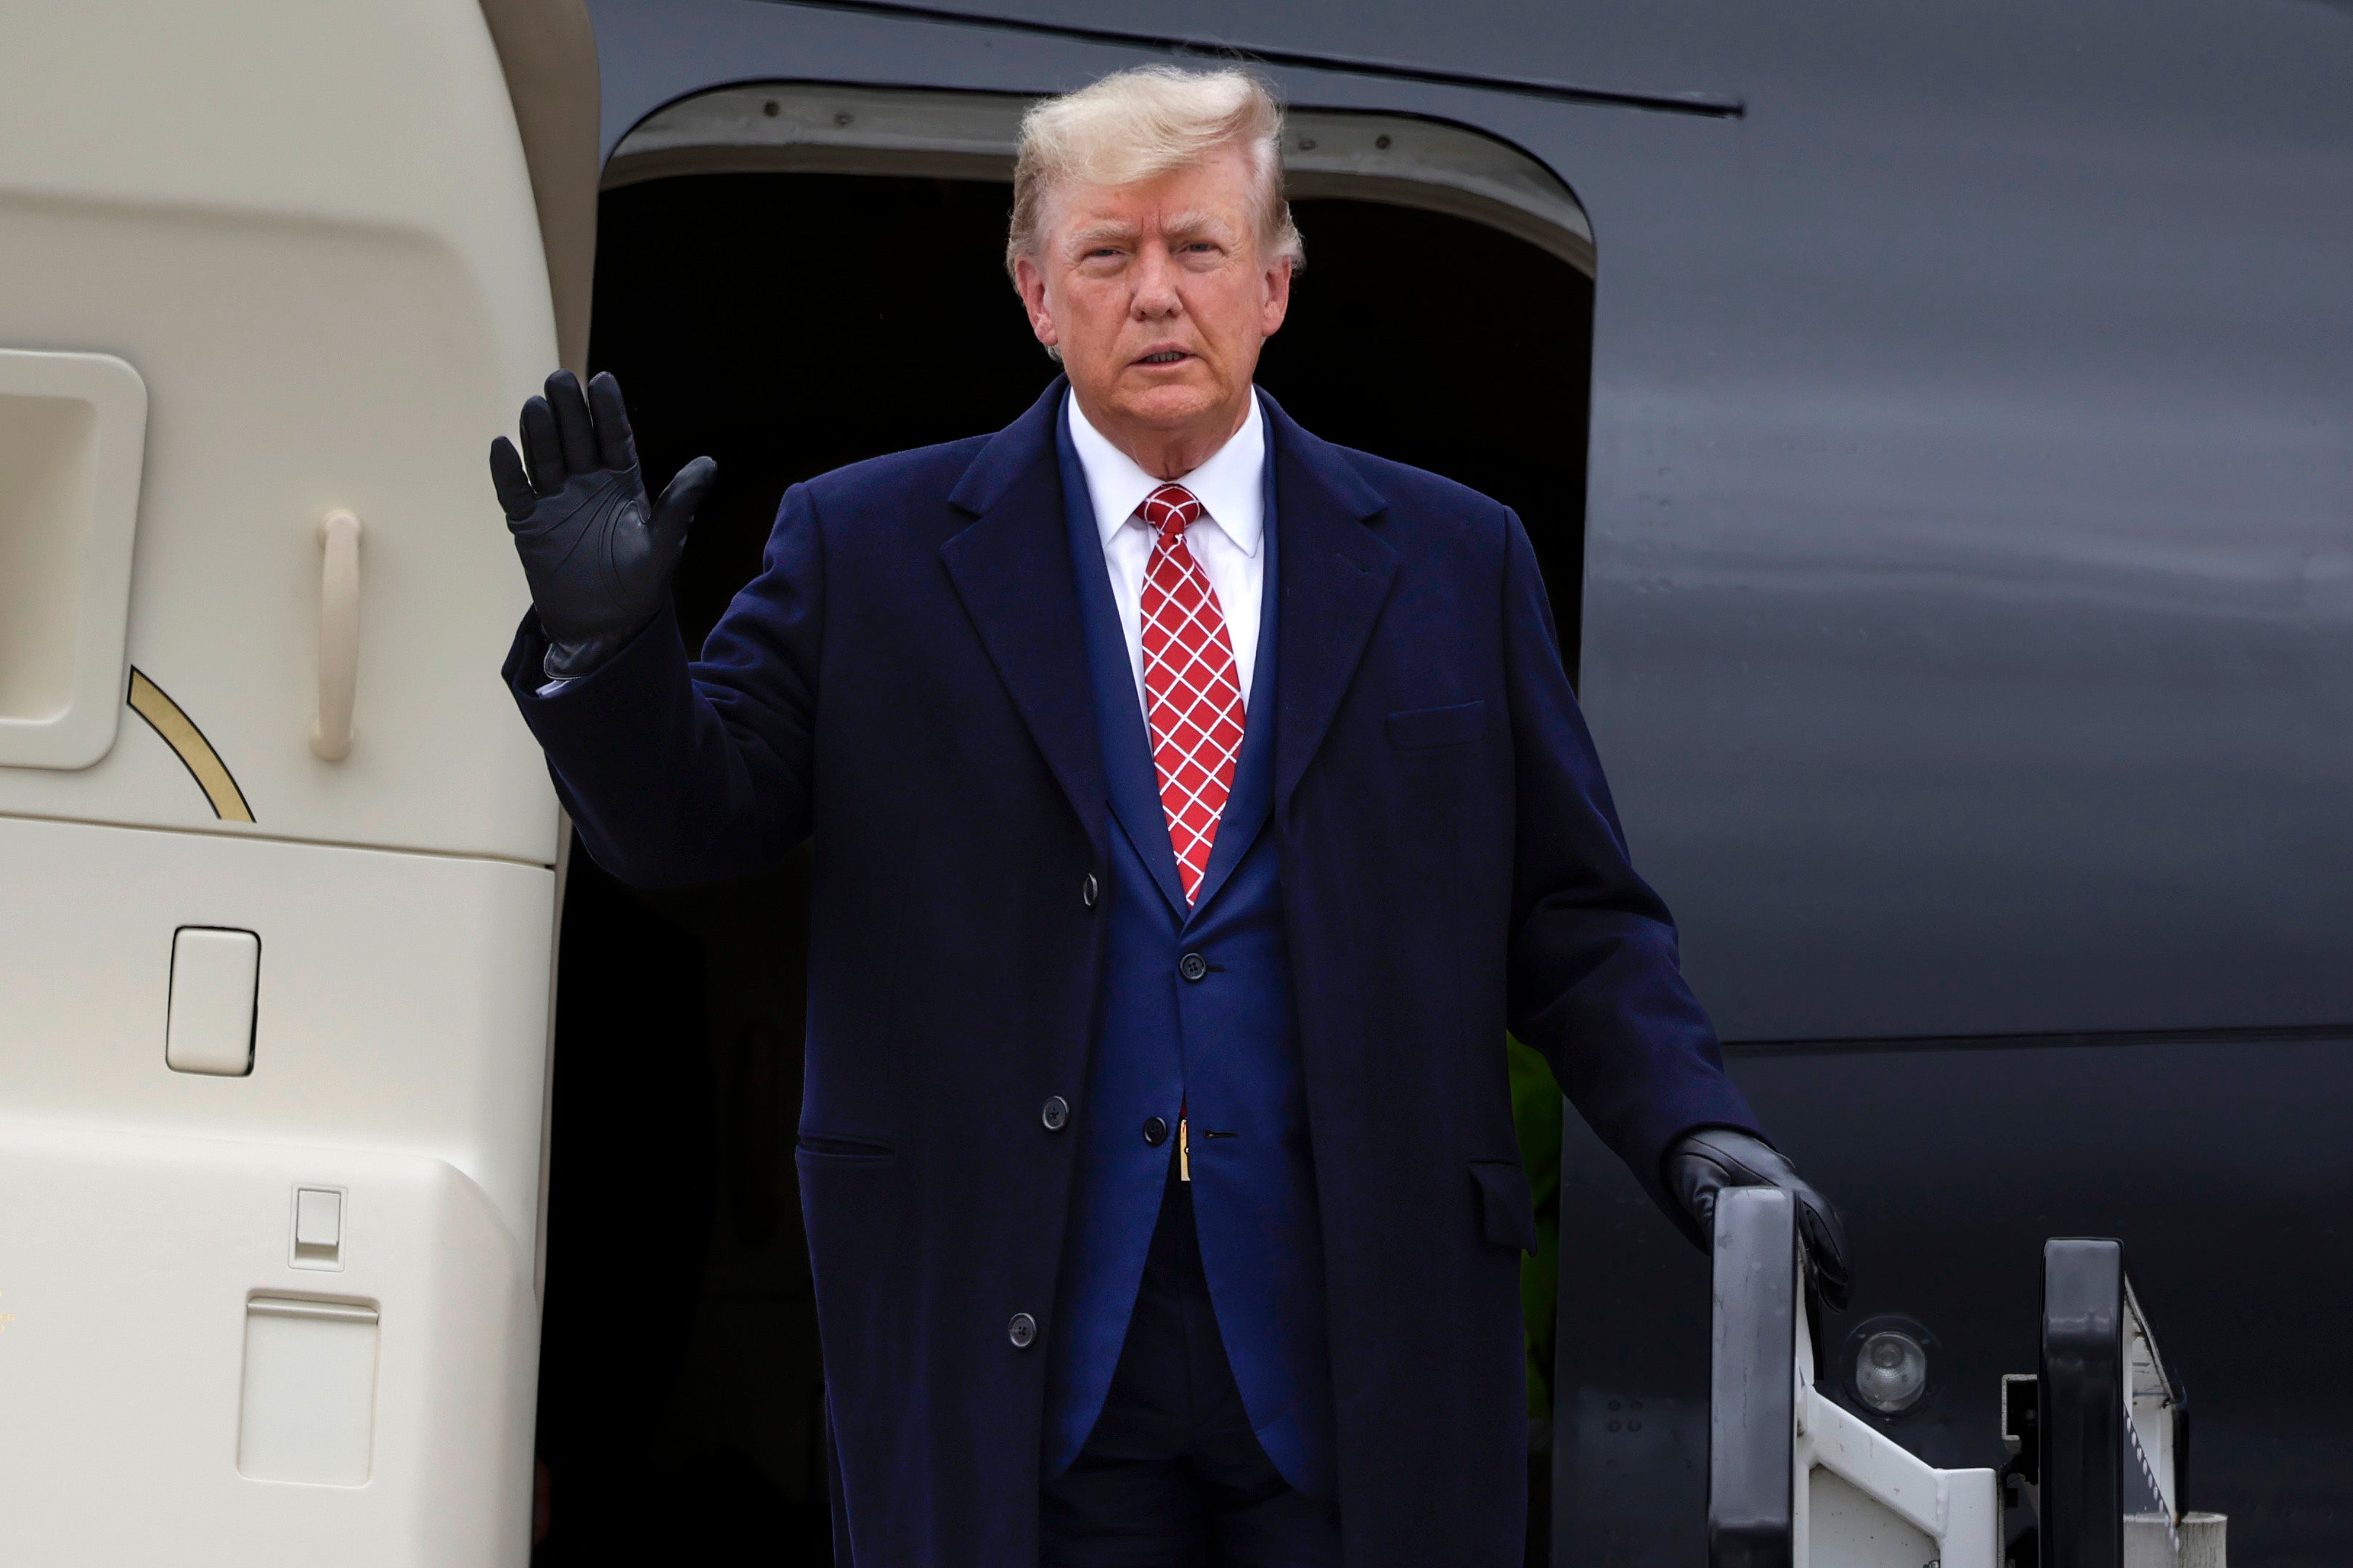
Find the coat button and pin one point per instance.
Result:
(1156, 1131)
(1089, 890)
(1022, 1331)
(1193, 966)
(1056, 1115)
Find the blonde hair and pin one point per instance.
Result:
(1144, 122)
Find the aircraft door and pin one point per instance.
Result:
(277, 885)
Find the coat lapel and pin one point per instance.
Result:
(1012, 570)
(1335, 576)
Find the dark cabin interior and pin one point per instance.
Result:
(788, 324)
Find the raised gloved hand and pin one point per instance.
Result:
(597, 558)
(1702, 1164)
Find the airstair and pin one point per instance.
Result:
(2097, 1436)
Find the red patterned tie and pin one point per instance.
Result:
(1192, 694)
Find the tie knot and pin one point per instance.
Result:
(1171, 510)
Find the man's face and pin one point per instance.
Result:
(1157, 295)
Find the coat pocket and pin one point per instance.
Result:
(1418, 727)
(844, 1148)
(1506, 1208)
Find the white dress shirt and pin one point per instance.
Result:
(1231, 488)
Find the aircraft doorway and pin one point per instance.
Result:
(787, 323)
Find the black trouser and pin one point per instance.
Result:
(1172, 1477)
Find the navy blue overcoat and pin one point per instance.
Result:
(906, 681)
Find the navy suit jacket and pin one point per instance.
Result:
(906, 681)
(1223, 1043)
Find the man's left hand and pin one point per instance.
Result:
(1702, 1164)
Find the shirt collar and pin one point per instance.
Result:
(1230, 486)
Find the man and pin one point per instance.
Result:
(1195, 804)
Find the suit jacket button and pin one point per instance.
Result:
(1022, 1331)
(1156, 1131)
(1089, 890)
(1057, 1114)
(1193, 966)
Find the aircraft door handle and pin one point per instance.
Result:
(339, 636)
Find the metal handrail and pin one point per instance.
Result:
(1751, 1394)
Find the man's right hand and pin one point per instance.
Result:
(598, 560)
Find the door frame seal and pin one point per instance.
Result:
(802, 127)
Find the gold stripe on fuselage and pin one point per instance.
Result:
(188, 743)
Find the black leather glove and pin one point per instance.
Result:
(1702, 1164)
(598, 559)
